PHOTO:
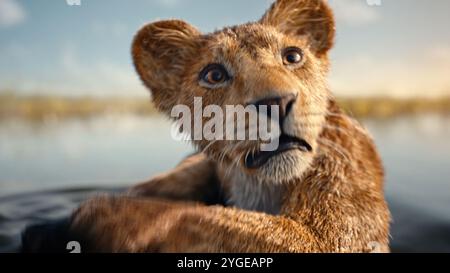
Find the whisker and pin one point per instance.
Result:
(326, 113)
(208, 146)
(230, 168)
(335, 147)
(224, 154)
(342, 130)
(357, 126)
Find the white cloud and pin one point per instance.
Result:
(351, 12)
(416, 75)
(355, 12)
(11, 13)
(75, 76)
(98, 78)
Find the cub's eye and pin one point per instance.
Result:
(292, 55)
(213, 75)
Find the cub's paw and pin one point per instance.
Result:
(156, 187)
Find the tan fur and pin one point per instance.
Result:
(328, 200)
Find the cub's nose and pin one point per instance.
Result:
(284, 104)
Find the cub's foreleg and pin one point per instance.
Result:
(121, 224)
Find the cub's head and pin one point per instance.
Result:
(279, 61)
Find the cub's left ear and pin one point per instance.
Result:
(161, 53)
(311, 18)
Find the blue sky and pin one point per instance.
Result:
(400, 48)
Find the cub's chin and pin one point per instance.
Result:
(282, 168)
(288, 162)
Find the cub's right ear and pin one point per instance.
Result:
(309, 18)
(161, 52)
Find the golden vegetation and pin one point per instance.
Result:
(41, 107)
(390, 107)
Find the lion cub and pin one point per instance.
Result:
(320, 191)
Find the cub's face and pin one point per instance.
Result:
(279, 61)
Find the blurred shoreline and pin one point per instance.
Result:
(41, 108)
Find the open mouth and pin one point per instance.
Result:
(286, 143)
